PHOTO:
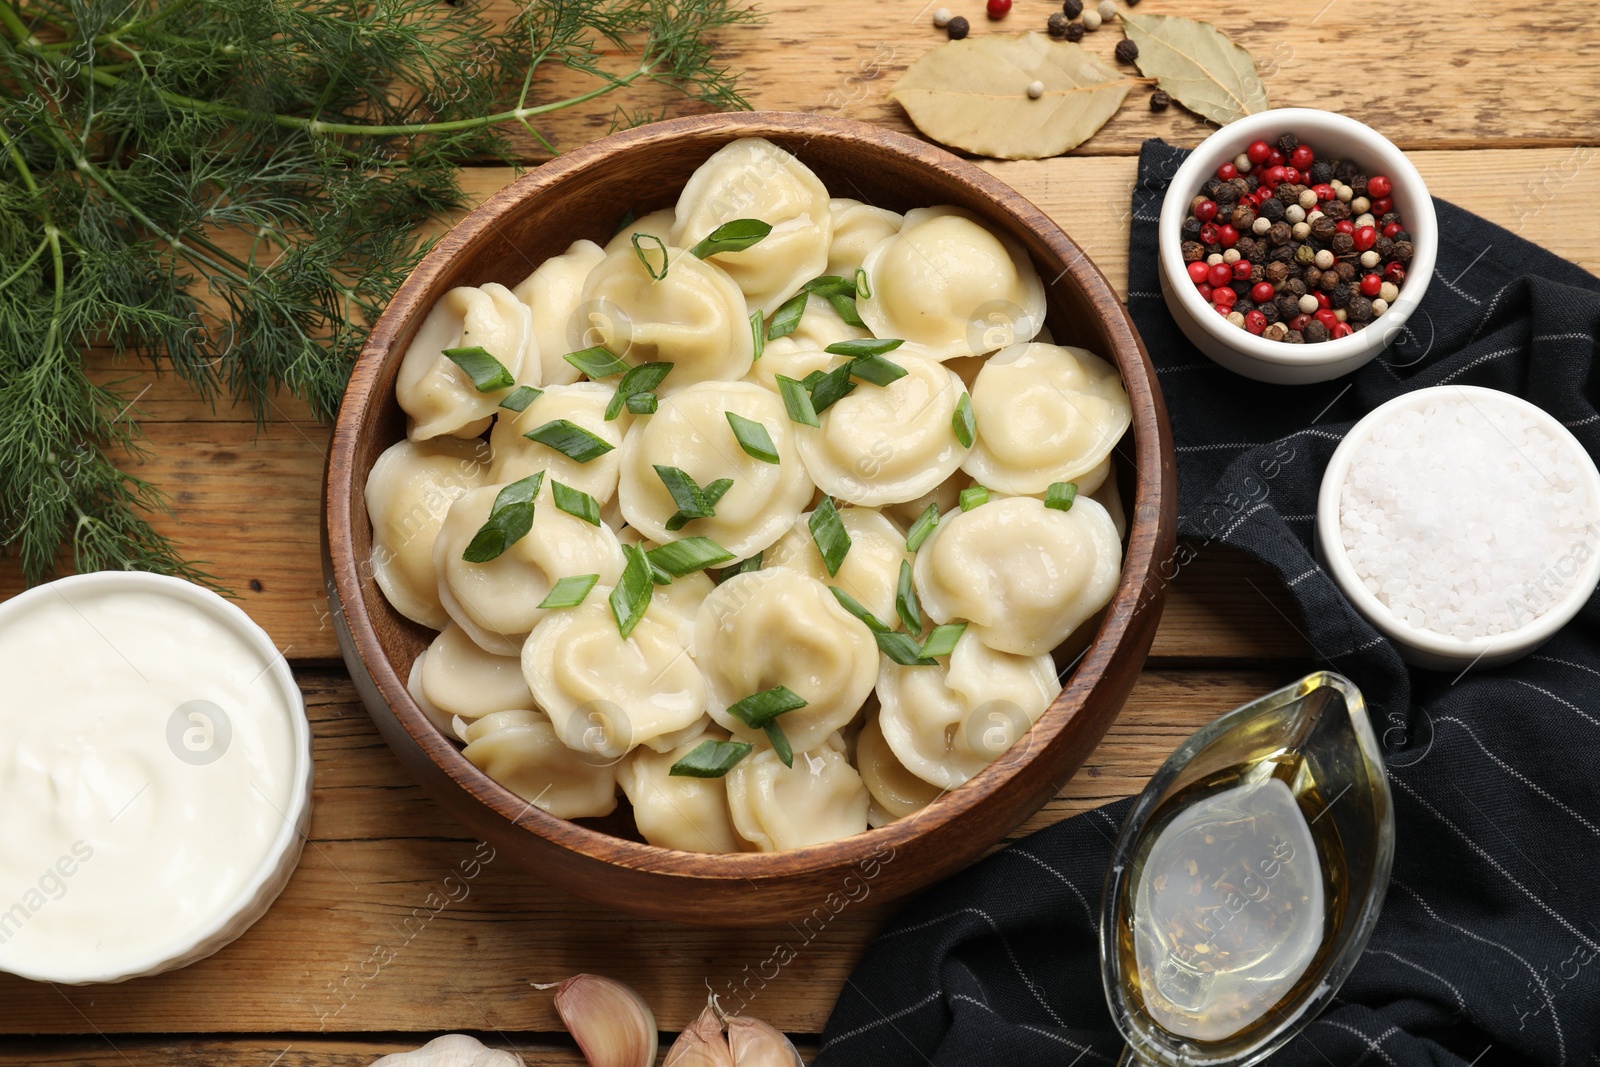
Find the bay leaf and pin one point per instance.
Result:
(973, 95)
(1198, 65)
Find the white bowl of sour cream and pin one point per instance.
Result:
(155, 776)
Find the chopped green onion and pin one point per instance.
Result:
(519, 398)
(510, 519)
(735, 236)
(687, 555)
(832, 387)
(693, 502)
(758, 709)
(576, 502)
(942, 641)
(717, 490)
(487, 373)
(863, 284)
(780, 743)
(659, 576)
(597, 362)
(830, 285)
(810, 381)
(632, 594)
(963, 421)
(744, 566)
(641, 379)
(643, 404)
(974, 497)
(903, 649)
(922, 527)
(864, 346)
(787, 318)
(753, 438)
(711, 759)
(797, 402)
(639, 251)
(845, 307)
(905, 600)
(831, 538)
(856, 608)
(1060, 495)
(876, 369)
(758, 334)
(571, 440)
(569, 592)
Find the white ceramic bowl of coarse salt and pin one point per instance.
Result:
(1463, 523)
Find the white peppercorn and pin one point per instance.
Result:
(1236, 318)
(1360, 205)
(1324, 260)
(1106, 9)
(1261, 225)
(1365, 219)
(1308, 304)
(942, 17)
(1379, 306)
(1388, 292)
(1341, 314)
(1294, 213)
(1370, 259)
(1091, 20)
(1344, 192)
(1241, 163)
(1035, 90)
(1213, 259)
(1300, 231)
(1308, 200)
(1231, 256)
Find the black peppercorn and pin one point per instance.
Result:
(1193, 251)
(1342, 244)
(1402, 251)
(1283, 253)
(1360, 309)
(1209, 189)
(1257, 252)
(1276, 273)
(1312, 275)
(1072, 8)
(1244, 305)
(957, 28)
(1287, 144)
(1057, 25)
(1403, 235)
(1242, 218)
(1346, 270)
(1258, 272)
(1294, 337)
(1321, 172)
(1324, 229)
(1160, 101)
(1339, 295)
(1191, 228)
(1271, 209)
(1295, 286)
(1287, 194)
(1227, 195)
(1388, 217)
(1328, 281)
(1240, 186)
(1127, 51)
(1280, 233)
(1075, 32)
(1315, 333)
(1358, 185)
(1345, 170)
(1384, 247)
(1270, 311)
(1337, 210)
(1288, 305)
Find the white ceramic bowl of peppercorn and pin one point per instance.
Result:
(1399, 254)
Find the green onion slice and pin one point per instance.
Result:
(942, 641)
(687, 555)
(832, 387)
(856, 608)
(797, 402)
(711, 759)
(638, 250)
(863, 284)
(643, 404)
(787, 318)
(906, 604)
(780, 743)
(876, 369)
(903, 649)
(922, 527)
(974, 497)
(845, 307)
(571, 440)
(753, 438)
(758, 334)
(758, 709)
(864, 346)
(597, 362)
(717, 490)
(830, 285)
(519, 398)
(744, 566)
(631, 596)
(831, 538)
(963, 421)
(1060, 495)
(576, 502)
(735, 236)
(570, 591)
(487, 373)
(510, 519)
(644, 378)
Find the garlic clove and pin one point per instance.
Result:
(701, 1044)
(758, 1044)
(610, 1021)
(451, 1050)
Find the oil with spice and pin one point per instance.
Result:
(1229, 899)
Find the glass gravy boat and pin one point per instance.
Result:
(1247, 879)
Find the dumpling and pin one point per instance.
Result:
(821, 326)
(1109, 496)
(896, 792)
(409, 490)
(459, 678)
(780, 627)
(553, 293)
(949, 283)
(790, 358)
(436, 715)
(857, 229)
(1023, 575)
(436, 394)
(947, 494)
(680, 600)
(690, 431)
(885, 444)
(752, 178)
(520, 750)
(496, 602)
(871, 569)
(819, 799)
(1045, 414)
(605, 693)
(657, 224)
(681, 812)
(694, 317)
(583, 404)
(947, 723)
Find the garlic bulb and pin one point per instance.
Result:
(701, 1044)
(754, 1043)
(610, 1021)
(451, 1050)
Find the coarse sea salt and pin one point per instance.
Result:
(1467, 517)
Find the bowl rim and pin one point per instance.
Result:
(1337, 560)
(223, 927)
(1220, 146)
(1151, 525)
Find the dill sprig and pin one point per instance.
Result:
(229, 188)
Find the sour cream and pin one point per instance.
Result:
(154, 776)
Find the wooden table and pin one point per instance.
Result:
(1499, 106)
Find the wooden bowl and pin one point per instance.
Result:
(583, 195)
